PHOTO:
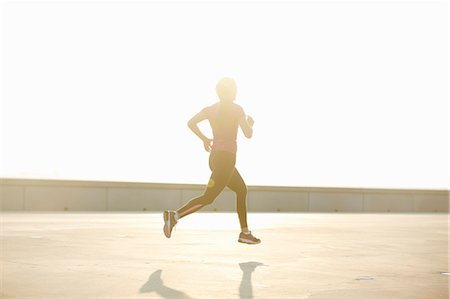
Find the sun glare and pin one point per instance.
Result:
(339, 97)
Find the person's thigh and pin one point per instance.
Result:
(222, 166)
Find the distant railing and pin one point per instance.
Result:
(70, 195)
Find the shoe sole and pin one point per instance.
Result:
(246, 241)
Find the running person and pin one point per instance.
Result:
(225, 117)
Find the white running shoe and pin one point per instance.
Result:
(248, 238)
(169, 222)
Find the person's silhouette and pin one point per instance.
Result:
(225, 117)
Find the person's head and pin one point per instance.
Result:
(226, 89)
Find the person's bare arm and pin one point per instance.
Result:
(192, 124)
(246, 124)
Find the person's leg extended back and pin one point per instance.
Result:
(222, 166)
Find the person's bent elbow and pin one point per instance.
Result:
(191, 124)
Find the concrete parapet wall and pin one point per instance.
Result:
(61, 195)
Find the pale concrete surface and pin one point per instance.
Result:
(317, 256)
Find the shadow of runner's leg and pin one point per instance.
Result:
(155, 284)
(246, 288)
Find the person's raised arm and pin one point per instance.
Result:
(192, 124)
(246, 124)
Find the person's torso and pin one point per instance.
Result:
(224, 120)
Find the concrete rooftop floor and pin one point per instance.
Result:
(302, 255)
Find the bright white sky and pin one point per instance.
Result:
(345, 94)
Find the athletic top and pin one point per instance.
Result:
(224, 120)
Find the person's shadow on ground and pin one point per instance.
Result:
(155, 284)
(246, 288)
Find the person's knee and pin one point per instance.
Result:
(208, 201)
(209, 197)
(242, 192)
